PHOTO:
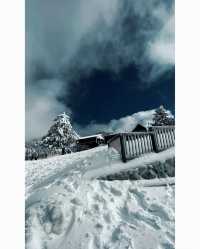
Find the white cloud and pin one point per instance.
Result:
(80, 35)
(42, 107)
(162, 49)
(118, 125)
(124, 124)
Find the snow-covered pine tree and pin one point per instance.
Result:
(60, 135)
(162, 117)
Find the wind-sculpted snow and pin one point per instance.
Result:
(66, 209)
(42, 172)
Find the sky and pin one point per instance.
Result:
(97, 60)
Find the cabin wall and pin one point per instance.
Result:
(115, 143)
(86, 146)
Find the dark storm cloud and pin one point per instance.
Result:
(141, 32)
(66, 39)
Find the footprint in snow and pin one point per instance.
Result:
(115, 191)
(140, 198)
(153, 223)
(99, 198)
(107, 218)
(170, 236)
(76, 201)
(167, 245)
(99, 226)
(159, 211)
(136, 218)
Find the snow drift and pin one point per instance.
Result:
(68, 208)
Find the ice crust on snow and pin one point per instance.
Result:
(67, 208)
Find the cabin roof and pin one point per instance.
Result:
(92, 136)
(139, 127)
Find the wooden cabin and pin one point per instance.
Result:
(89, 142)
(108, 136)
(139, 128)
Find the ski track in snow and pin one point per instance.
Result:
(66, 208)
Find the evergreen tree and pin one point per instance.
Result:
(162, 117)
(60, 139)
(60, 134)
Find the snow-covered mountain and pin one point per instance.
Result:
(68, 208)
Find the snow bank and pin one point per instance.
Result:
(88, 164)
(42, 172)
(65, 209)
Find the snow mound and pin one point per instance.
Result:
(67, 208)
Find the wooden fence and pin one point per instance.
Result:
(135, 144)
(164, 137)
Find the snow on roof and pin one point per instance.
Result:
(96, 135)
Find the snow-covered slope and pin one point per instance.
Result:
(67, 208)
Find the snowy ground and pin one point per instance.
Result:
(67, 208)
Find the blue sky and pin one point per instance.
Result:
(97, 60)
(103, 96)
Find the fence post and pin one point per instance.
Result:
(123, 147)
(153, 139)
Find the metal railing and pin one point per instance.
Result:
(164, 137)
(134, 144)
